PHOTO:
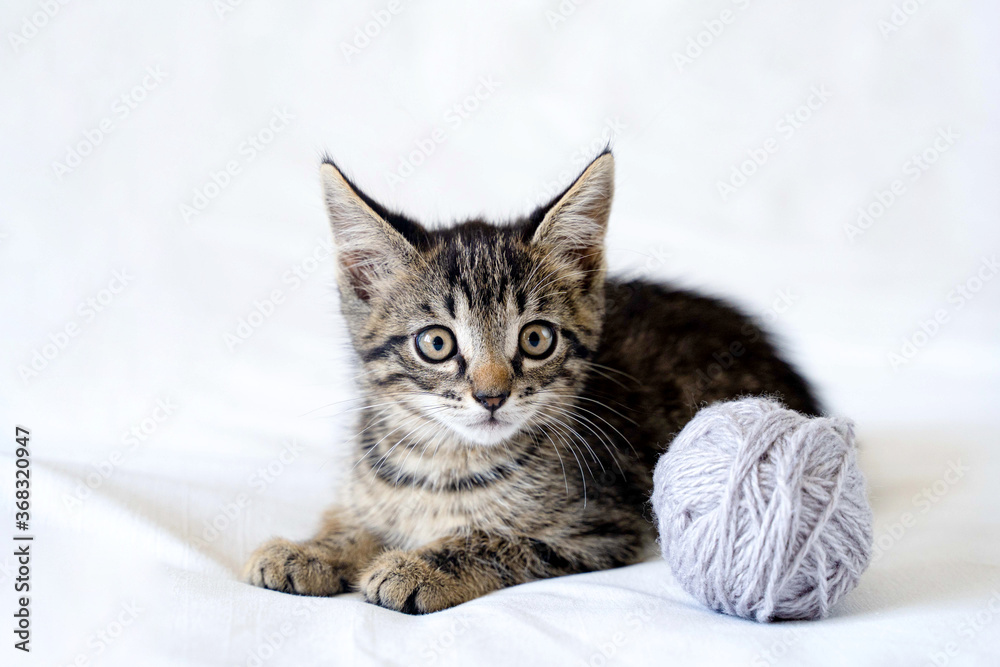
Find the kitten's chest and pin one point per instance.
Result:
(410, 517)
(419, 519)
(411, 498)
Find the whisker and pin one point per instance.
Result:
(609, 377)
(603, 437)
(569, 414)
(572, 450)
(402, 464)
(548, 436)
(441, 434)
(345, 411)
(607, 407)
(578, 437)
(406, 421)
(556, 276)
(613, 370)
(591, 412)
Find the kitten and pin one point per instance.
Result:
(516, 401)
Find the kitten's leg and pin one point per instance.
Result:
(327, 564)
(457, 569)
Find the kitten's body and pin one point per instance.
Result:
(440, 510)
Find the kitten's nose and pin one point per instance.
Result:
(489, 402)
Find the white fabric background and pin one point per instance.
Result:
(140, 543)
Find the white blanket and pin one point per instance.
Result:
(169, 332)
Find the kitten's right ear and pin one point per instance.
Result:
(367, 249)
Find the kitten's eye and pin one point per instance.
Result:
(538, 339)
(435, 344)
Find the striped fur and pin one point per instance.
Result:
(445, 505)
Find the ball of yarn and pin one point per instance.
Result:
(763, 511)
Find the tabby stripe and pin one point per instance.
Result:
(390, 473)
(579, 349)
(382, 351)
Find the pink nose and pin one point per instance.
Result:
(491, 403)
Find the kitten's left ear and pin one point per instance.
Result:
(574, 225)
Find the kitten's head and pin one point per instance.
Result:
(479, 330)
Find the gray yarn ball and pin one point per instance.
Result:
(763, 511)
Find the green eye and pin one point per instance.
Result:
(435, 344)
(538, 339)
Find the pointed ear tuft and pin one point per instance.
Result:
(573, 228)
(368, 250)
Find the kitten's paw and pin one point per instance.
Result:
(302, 569)
(401, 581)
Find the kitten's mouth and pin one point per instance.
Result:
(487, 431)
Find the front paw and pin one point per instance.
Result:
(401, 581)
(302, 569)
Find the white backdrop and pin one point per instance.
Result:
(171, 338)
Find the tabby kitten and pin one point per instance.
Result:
(516, 401)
